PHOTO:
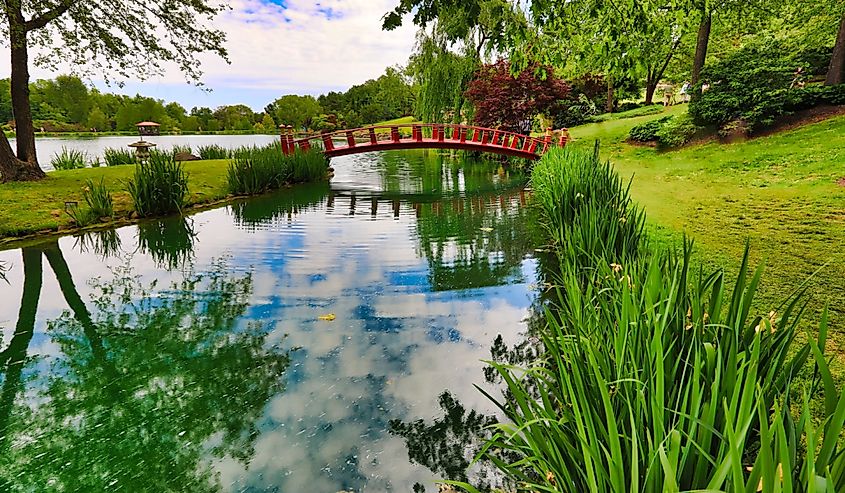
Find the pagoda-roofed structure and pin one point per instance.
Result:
(148, 128)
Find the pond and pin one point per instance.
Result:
(290, 343)
(94, 147)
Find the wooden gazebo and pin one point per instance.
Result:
(148, 128)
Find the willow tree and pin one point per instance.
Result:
(133, 39)
(442, 76)
(454, 37)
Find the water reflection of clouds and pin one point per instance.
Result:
(392, 350)
(394, 347)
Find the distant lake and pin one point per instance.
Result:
(94, 147)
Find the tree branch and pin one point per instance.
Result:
(49, 16)
(668, 58)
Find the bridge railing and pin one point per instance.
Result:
(467, 136)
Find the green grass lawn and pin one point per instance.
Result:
(31, 207)
(405, 120)
(781, 192)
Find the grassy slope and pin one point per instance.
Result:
(405, 120)
(780, 192)
(31, 207)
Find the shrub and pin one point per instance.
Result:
(647, 132)
(68, 159)
(214, 151)
(817, 95)
(118, 157)
(159, 186)
(676, 131)
(511, 103)
(573, 113)
(256, 170)
(755, 85)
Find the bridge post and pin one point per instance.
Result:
(373, 139)
(463, 132)
(350, 138)
(435, 132)
(441, 133)
(533, 147)
(291, 143)
(506, 140)
(526, 142)
(394, 134)
(484, 135)
(418, 133)
(328, 144)
(515, 142)
(283, 139)
(495, 139)
(475, 136)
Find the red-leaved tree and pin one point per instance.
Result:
(510, 102)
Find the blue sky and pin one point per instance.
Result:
(280, 47)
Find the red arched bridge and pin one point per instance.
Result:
(422, 136)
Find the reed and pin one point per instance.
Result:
(118, 157)
(214, 151)
(654, 379)
(68, 159)
(99, 198)
(159, 186)
(256, 170)
(181, 149)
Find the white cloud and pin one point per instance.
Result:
(295, 49)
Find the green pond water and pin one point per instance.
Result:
(189, 354)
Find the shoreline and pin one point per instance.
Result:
(35, 210)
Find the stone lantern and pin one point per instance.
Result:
(142, 150)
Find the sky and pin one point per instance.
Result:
(279, 47)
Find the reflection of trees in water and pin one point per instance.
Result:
(439, 173)
(104, 244)
(170, 242)
(447, 445)
(473, 242)
(282, 205)
(145, 391)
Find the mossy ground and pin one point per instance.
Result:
(783, 193)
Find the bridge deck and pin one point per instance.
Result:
(423, 136)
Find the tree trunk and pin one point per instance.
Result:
(650, 89)
(609, 106)
(80, 311)
(701, 45)
(836, 71)
(15, 355)
(25, 165)
(13, 169)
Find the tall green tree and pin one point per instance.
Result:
(294, 110)
(97, 119)
(107, 36)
